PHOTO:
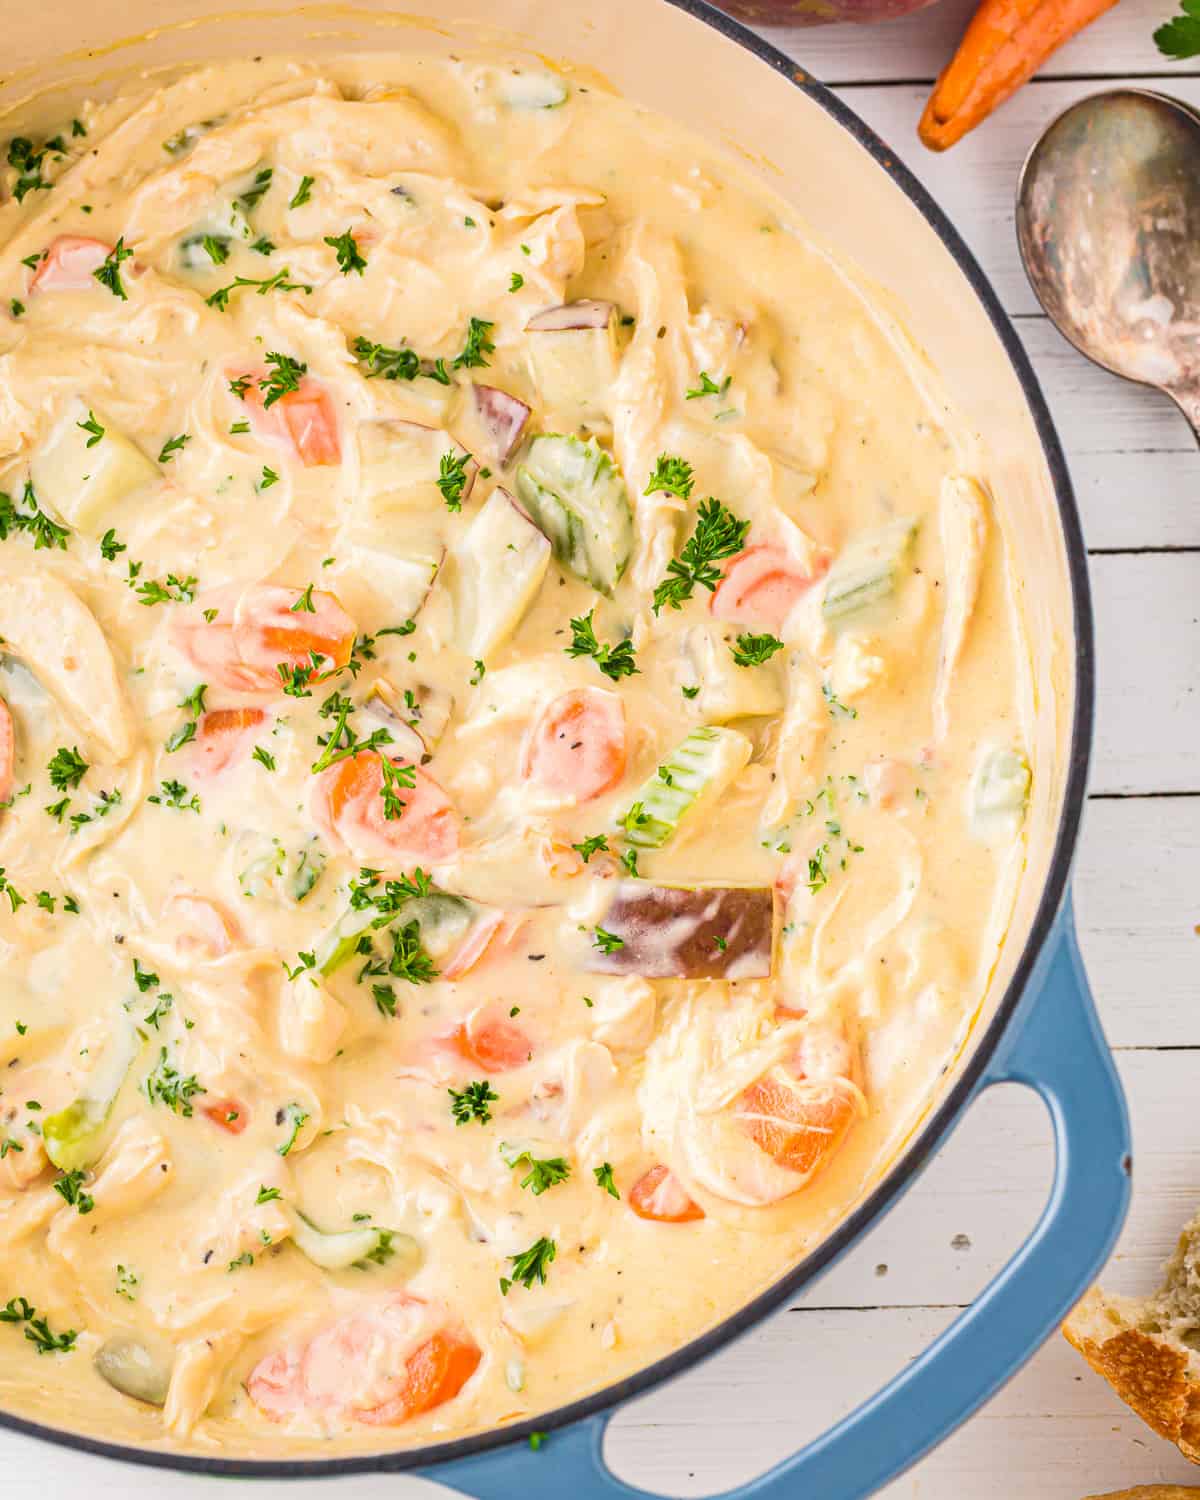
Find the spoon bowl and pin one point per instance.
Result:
(1108, 224)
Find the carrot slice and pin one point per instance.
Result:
(70, 264)
(272, 624)
(577, 747)
(238, 638)
(8, 752)
(1004, 44)
(364, 1367)
(760, 587)
(800, 1125)
(229, 1114)
(659, 1195)
(224, 735)
(434, 1374)
(302, 420)
(493, 1042)
(348, 806)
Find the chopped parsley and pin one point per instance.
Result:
(263, 757)
(392, 364)
(168, 1086)
(718, 534)
(604, 1179)
(395, 779)
(837, 709)
(293, 1115)
(349, 256)
(269, 477)
(15, 899)
(175, 590)
(277, 283)
(708, 387)
(303, 193)
(45, 532)
(614, 661)
(37, 1330)
(143, 978)
(283, 378)
(109, 274)
(591, 845)
(67, 769)
(605, 941)
(544, 1172)
(476, 345)
(70, 1188)
(266, 1194)
(216, 250)
(671, 475)
(473, 1102)
(173, 446)
(92, 427)
(254, 194)
(452, 478)
(517, 282)
(408, 960)
(174, 794)
(530, 1265)
(753, 650)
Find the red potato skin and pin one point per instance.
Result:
(8, 752)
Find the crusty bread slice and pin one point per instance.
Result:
(1148, 1348)
(1150, 1492)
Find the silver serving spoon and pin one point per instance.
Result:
(1108, 221)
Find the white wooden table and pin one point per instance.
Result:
(1056, 1433)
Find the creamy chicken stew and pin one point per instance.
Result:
(512, 750)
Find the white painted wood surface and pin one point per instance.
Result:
(1055, 1433)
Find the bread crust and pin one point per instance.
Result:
(1150, 1492)
(1152, 1372)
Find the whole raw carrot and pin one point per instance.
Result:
(1005, 43)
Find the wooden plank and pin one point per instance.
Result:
(1137, 902)
(918, 46)
(975, 181)
(1055, 1433)
(1132, 456)
(980, 1198)
(1148, 640)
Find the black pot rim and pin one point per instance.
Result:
(941, 1120)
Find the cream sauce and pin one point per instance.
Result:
(656, 1103)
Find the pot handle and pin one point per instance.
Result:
(1055, 1046)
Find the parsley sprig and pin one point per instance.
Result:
(476, 345)
(718, 534)
(544, 1172)
(530, 1265)
(37, 1329)
(1178, 38)
(277, 283)
(109, 274)
(614, 661)
(452, 478)
(753, 650)
(473, 1102)
(349, 256)
(671, 475)
(32, 520)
